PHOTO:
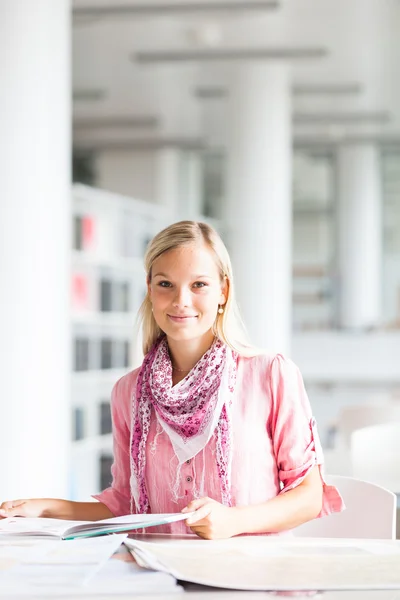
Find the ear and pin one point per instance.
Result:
(148, 285)
(224, 291)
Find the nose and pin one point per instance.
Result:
(182, 297)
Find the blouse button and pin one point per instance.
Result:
(189, 479)
(188, 462)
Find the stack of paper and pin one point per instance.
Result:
(46, 567)
(89, 567)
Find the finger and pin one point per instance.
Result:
(13, 508)
(200, 514)
(202, 532)
(11, 503)
(195, 504)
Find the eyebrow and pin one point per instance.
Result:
(193, 276)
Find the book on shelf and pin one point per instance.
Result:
(69, 530)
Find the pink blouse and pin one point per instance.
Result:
(275, 445)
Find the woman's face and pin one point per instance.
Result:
(185, 291)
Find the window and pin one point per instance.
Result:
(81, 354)
(105, 295)
(83, 170)
(105, 418)
(106, 462)
(124, 297)
(77, 233)
(127, 354)
(78, 421)
(106, 353)
(214, 166)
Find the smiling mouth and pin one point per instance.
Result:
(182, 318)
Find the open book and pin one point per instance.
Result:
(69, 530)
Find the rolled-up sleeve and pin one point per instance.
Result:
(294, 432)
(117, 496)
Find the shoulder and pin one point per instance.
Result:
(271, 368)
(121, 400)
(124, 388)
(266, 363)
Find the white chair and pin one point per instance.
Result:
(375, 455)
(370, 512)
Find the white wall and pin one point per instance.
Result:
(341, 369)
(344, 357)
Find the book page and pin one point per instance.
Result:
(124, 523)
(154, 518)
(37, 527)
(59, 528)
(268, 564)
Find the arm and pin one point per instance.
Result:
(285, 511)
(55, 508)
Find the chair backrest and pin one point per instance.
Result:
(375, 455)
(370, 512)
(356, 417)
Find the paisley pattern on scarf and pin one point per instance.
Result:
(190, 412)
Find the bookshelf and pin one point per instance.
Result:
(110, 234)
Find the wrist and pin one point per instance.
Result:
(58, 509)
(238, 520)
(247, 520)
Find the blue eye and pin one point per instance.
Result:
(200, 284)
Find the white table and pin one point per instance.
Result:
(196, 592)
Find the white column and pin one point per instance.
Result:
(168, 179)
(35, 156)
(258, 206)
(192, 192)
(360, 233)
(179, 182)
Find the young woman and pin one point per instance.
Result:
(207, 423)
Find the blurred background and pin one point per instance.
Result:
(276, 121)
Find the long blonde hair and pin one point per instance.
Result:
(228, 326)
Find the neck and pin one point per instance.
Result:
(186, 353)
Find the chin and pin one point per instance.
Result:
(183, 335)
(187, 335)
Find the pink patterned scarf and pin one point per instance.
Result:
(189, 412)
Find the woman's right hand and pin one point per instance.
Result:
(35, 507)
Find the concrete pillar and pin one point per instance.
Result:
(359, 236)
(35, 242)
(258, 206)
(168, 179)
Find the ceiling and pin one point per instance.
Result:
(137, 76)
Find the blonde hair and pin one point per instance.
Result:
(228, 326)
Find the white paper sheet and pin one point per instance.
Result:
(270, 564)
(52, 567)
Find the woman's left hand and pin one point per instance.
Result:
(212, 520)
